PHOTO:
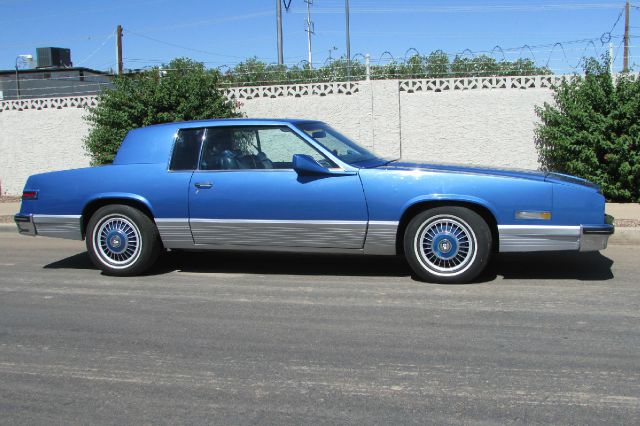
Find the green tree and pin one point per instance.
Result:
(181, 90)
(592, 130)
(437, 64)
(254, 72)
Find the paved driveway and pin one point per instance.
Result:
(239, 338)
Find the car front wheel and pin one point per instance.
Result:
(121, 240)
(448, 244)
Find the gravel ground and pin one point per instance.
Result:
(9, 199)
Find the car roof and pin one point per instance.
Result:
(153, 144)
(231, 121)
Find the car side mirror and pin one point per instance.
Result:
(306, 165)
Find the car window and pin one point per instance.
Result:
(230, 148)
(186, 149)
(339, 145)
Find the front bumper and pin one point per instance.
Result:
(595, 238)
(25, 224)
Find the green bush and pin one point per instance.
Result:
(181, 90)
(592, 130)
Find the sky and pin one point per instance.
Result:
(223, 33)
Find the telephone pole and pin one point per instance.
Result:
(119, 48)
(279, 29)
(625, 64)
(310, 31)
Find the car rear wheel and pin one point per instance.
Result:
(121, 240)
(448, 244)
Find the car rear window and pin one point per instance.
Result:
(186, 149)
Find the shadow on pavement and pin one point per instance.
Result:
(77, 261)
(592, 266)
(550, 265)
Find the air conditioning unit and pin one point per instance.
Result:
(53, 57)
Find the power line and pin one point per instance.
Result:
(181, 46)
(96, 50)
(475, 8)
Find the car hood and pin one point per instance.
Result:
(460, 168)
(492, 171)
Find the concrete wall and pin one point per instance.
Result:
(36, 141)
(487, 121)
(493, 126)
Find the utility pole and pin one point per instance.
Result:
(346, 11)
(119, 48)
(279, 29)
(310, 30)
(625, 65)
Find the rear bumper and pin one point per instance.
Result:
(25, 224)
(527, 238)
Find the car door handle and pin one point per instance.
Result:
(203, 185)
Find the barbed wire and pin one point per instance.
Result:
(56, 89)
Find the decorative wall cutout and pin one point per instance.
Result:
(479, 83)
(318, 89)
(49, 103)
(293, 90)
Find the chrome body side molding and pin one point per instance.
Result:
(318, 236)
(515, 238)
(381, 238)
(527, 238)
(58, 226)
(274, 249)
(175, 232)
(279, 233)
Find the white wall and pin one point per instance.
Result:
(486, 121)
(486, 126)
(489, 127)
(36, 141)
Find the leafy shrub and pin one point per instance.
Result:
(593, 131)
(181, 90)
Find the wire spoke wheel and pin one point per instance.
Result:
(117, 241)
(445, 245)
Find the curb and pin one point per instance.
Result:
(8, 227)
(623, 236)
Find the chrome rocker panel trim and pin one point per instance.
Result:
(319, 236)
(309, 236)
(381, 238)
(280, 233)
(57, 226)
(528, 238)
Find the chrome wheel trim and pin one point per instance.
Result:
(117, 241)
(445, 245)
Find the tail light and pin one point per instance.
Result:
(29, 195)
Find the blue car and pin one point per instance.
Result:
(301, 186)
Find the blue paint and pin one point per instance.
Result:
(378, 189)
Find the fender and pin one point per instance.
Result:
(450, 197)
(100, 197)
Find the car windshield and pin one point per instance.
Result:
(341, 146)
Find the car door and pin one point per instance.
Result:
(246, 193)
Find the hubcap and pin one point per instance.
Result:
(117, 241)
(446, 245)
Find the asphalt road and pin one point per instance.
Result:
(257, 339)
